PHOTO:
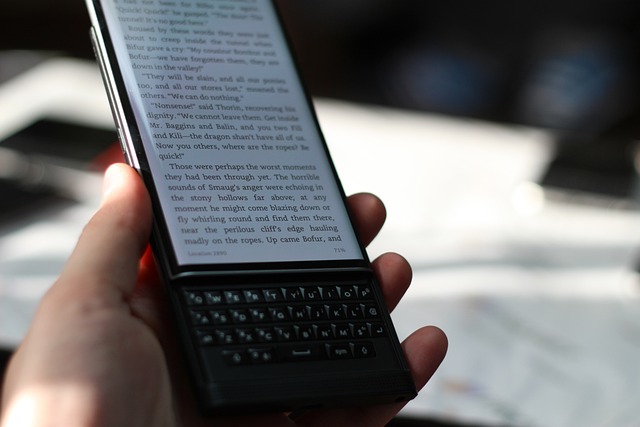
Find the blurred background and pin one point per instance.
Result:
(565, 64)
(567, 67)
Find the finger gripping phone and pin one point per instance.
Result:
(274, 298)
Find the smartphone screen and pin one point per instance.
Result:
(238, 163)
(273, 296)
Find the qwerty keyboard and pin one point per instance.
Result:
(286, 323)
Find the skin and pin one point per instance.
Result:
(98, 352)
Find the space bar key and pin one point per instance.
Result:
(302, 353)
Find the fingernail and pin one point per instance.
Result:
(111, 180)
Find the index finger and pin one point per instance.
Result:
(369, 214)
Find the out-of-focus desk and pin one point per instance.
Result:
(34, 247)
(539, 299)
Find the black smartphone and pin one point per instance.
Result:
(273, 295)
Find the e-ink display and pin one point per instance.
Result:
(239, 168)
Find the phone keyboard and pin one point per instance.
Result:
(286, 323)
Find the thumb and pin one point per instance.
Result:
(109, 249)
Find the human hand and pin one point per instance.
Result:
(98, 352)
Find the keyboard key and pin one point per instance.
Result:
(214, 297)
(325, 331)
(292, 294)
(363, 350)
(200, 318)
(311, 293)
(329, 292)
(371, 310)
(220, 317)
(279, 314)
(233, 297)
(246, 336)
(235, 357)
(259, 315)
(206, 338)
(299, 353)
(194, 298)
(361, 330)
(339, 351)
(336, 311)
(316, 312)
(377, 329)
(298, 313)
(364, 292)
(272, 295)
(265, 335)
(342, 331)
(305, 333)
(253, 296)
(354, 311)
(239, 315)
(261, 355)
(225, 336)
(284, 333)
(347, 292)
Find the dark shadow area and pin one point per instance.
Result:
(60, 26)
(5, 355)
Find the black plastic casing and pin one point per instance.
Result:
(222, 389)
